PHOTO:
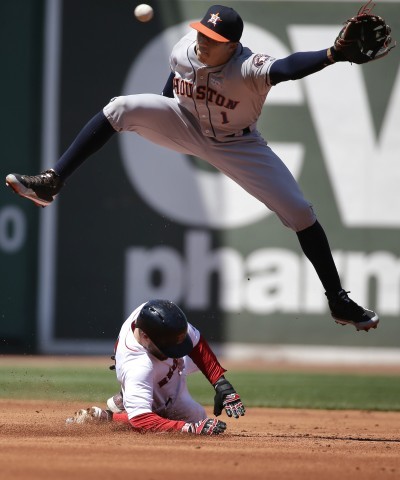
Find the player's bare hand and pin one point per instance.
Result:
(208, 426)
(227, 398)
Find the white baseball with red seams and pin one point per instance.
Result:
(144, 12)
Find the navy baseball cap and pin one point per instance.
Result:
(220, 23)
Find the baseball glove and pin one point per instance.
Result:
(363, 38)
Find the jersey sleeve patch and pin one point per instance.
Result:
(260, 59)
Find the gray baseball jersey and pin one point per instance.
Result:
(225, 99)
(213, 116)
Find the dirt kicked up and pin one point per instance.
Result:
(267, 443)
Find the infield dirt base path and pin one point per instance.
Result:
(273, 444)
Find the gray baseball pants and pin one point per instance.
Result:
(247, 159)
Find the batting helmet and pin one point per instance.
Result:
(167, 327)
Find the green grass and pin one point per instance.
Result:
(257, 389)
(311, 390)
(57, 383)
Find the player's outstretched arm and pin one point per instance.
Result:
(151, 422)
(299, 65)
(226, 396)
(148, 422)
(364, 38)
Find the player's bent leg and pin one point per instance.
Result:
(156, 118)
(253, 165)
(134, 113)
(190, 411)
(184, 407)
(265, 177)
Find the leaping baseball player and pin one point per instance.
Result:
(209, 109)
(155, 351)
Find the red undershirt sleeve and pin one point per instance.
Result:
(149, 422)
(205, 359)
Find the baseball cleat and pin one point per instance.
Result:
(87, 415)
(41, 189)
(346, 312)
(371, 321)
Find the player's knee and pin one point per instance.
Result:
(121, 112)
(118, 106)
(301, 217)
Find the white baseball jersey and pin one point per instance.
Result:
(152, 385)
(225, 99)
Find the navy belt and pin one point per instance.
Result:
(245, 131)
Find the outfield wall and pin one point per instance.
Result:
(21, 40)
(136, 221)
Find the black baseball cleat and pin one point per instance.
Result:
(347, 312)
(41, 189)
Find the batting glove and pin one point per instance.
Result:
(227, 398)
(208, 426)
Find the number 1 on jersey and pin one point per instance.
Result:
(224, 118)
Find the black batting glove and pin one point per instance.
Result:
(227, 398)
(208, 426)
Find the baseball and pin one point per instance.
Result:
(144, 13)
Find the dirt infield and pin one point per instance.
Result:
(267, 443)
(35, 444)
